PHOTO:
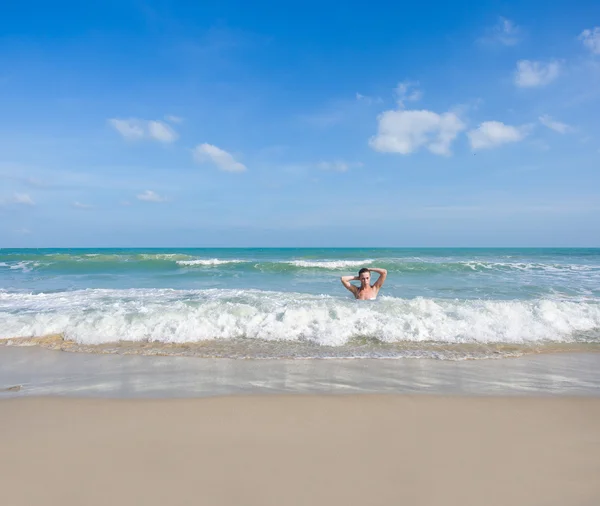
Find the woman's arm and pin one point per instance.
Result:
(346, 282)
(382, 275)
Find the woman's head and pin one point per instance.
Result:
(364, 276)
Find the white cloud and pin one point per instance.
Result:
(221, 158)
(129, 128)
(137, 129)
(150, 196)
(404, 132)
(24, 231)
(161, 131)
(406, 92)
(531, 74)
(23, 198)
(174, 119)
(504, 32)
(495, 133)
(557, 126)
(79, 205)
(591, 39)
(338, 165)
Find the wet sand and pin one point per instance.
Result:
(34, 371)
(301, 450)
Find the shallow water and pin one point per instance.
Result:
(289, 303)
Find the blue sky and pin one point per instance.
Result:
(139, 123)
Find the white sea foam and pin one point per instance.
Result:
(25, 266)
(178, 316)
(530, 266)
(164, 256)
(209, 261)
(329, 264)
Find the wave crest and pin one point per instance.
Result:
(209, 262)
(181, 316)
(328, 264)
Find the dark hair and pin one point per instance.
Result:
(364, 269)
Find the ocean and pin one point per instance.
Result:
(451, 304)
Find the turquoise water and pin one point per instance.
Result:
(446, 303)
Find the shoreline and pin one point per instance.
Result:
(258, 349)
(34, 371)
(301, 449)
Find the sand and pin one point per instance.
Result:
(301, 450)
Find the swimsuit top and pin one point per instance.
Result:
(372, 298)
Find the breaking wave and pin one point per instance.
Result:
(96, 316)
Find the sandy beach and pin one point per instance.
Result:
(300, 253)
(330, 450)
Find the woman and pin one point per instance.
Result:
(365, 291)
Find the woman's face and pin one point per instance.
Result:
(365, 278)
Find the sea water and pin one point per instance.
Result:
(289, 303)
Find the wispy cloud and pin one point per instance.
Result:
(24, 199)
(325, 119)
(137, 129)
(340, 111)
(591, 39)
(161, 131)
(367, 99)
(35, 182)
(539, 144)
(150, 196)
(174, 119)
(79, 205)
(557, 126)
(220, 45)
(491, 134)
(338, 165)
(505, 32)
(532, 74)
(221, 158)
(407, 91)
(15, 174)
(131, 129)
